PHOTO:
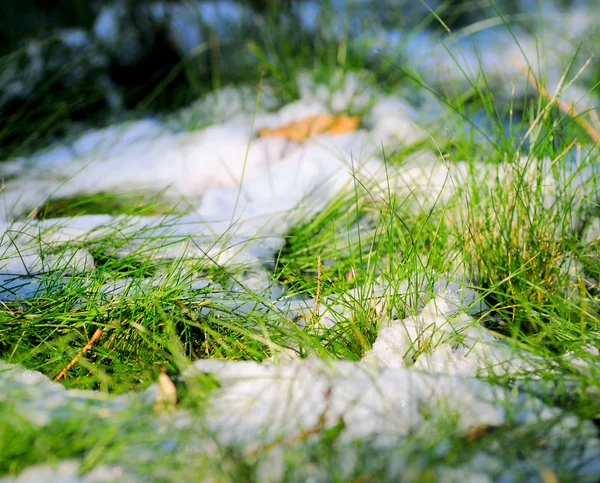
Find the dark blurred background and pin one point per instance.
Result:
(64, 62)
(23, 19)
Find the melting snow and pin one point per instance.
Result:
(423, 360)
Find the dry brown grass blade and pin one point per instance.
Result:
(567, 108)
(86, 348)
(300, 131)
(166, 400)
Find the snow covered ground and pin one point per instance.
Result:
(258, 404)
(244, 193)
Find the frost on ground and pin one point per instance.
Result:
(244, 193)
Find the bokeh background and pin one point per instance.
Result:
(74, 64)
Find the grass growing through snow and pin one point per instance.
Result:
(521, 234)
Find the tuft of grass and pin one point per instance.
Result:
(139, 204)
(518, 229)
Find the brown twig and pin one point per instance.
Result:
(567, 108)
(86, 348)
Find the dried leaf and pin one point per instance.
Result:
(166, 400)
(477, 432)
(300, 131)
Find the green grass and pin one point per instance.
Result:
(104, 204)
(501, 233)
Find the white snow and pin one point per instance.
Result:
(206, 167)
(68, 471)
(245, 192)
(441, 340)
(260, 403)
(257, 405)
